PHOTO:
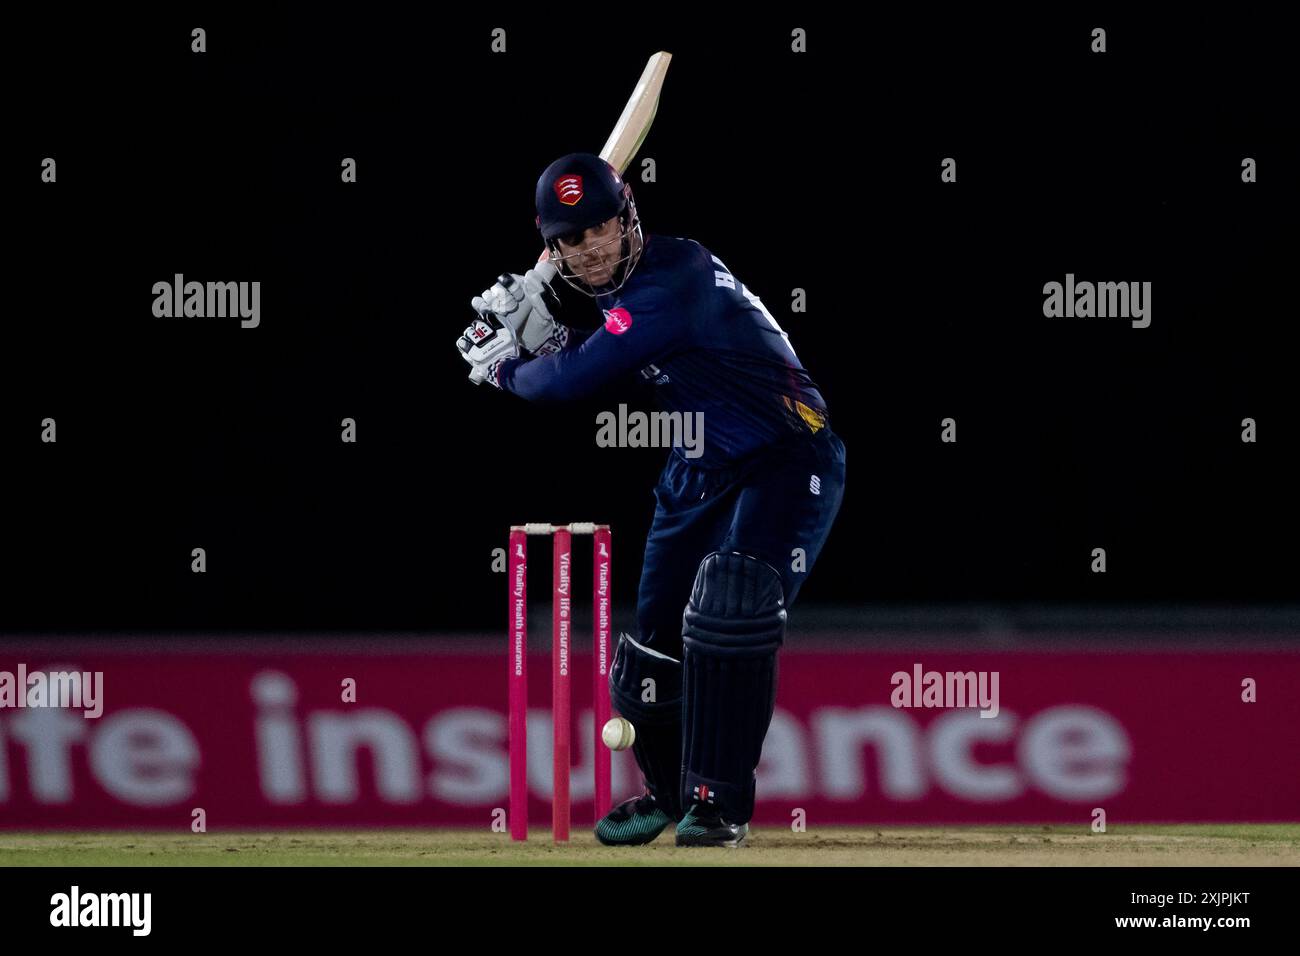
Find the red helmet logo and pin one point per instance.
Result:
(569, 189)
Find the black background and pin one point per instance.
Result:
(817, 171)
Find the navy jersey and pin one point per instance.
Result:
(684, 323)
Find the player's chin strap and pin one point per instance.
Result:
(627, 261)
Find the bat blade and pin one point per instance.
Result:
(631, 129)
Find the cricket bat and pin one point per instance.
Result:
(630, 130)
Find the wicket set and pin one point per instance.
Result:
(561, 618)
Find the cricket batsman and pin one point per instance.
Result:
(737, 527)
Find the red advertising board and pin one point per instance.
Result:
(263, 738)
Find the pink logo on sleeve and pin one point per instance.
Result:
(617, 321)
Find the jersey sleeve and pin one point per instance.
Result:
(576, 337)
(643, 328)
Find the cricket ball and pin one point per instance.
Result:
(618, 734)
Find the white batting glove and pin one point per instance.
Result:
(485, 344)
(519, 301)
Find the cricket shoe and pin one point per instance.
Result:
(633, 822)
(703, 826)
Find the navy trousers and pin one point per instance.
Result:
(783, 499)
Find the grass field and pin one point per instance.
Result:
(1200, 845)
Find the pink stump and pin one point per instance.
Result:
(518, 682)
(561, 609)
(602, 571)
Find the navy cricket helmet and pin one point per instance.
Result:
(573, 194)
